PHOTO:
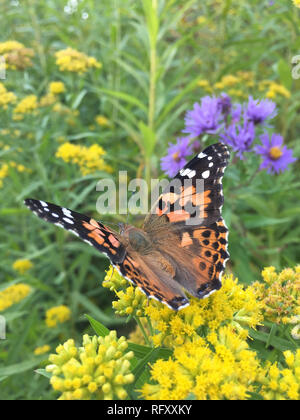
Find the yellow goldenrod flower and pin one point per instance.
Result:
(57, 315)
(113, 280)
(228, 370)
(16, 56)
(47, 100)
(98, 370)
(9, 46)
(232, 304)
(277, 89)
(101, 120)
(281, 383)
(22, 265)
(42, 350)
(89, 159)
(26, 106)
(131, 301)
(6, 97)
(227, 81)
(4, 169)
(13, 294)
(75, 61)
(280, 294)
(56, 87)
(3, 173)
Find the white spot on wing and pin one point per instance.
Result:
(205, 174)
(67, 212)
(68, 220)
(191, 174)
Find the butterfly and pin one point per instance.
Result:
(168, 255)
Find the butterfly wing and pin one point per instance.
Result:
(184, 192)
(197, 251)
(149, 273)
(143, 271)
(91, 231)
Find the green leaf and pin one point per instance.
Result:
(99, 328)
(44, 373)
(125, 97)
(20, 367)
(285, 73)
(148, 139)
(279, 343)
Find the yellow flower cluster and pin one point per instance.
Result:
(227, 370)
(16, 56)
(102, 121)
(89, 159)
(232, 305)
(98, 370)
(57, 315)
(42, 350)
(9, 46)
(296, 3)
(6, 97)
(280, 294)
(131, 301)
(234, 84)
(51, 97)
(26, 106)
(273, 89)
(4, 170)
(55, 88)
(282, 383)
(75, 61)
(113, 280)
(22, 265)
(13, 294)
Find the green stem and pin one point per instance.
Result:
(37, 34)
(152, 86)
(147, 341)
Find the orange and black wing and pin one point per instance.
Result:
(197, 250)
(89, 230)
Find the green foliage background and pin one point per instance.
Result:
(153, 54)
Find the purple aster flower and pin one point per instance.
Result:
(276, 157)
(236, 113)
(225, 104)
(204, 118)
(239, 137)
(176, 156)
(259, 111)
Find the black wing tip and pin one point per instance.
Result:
(178, 303)
(29, 202)
(218, 148)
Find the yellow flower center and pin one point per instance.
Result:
(176, 157)
(275, 153)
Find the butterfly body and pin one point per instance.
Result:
(168, 254)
